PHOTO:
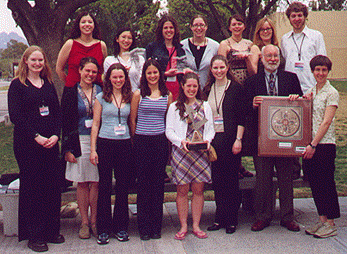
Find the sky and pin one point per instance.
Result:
(7, 24)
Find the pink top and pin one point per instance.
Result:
(78, 51)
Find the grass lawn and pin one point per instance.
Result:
(8, 163)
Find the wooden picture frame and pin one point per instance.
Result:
(285, 127)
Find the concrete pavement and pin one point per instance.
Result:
(274, 239)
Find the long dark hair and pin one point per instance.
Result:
(144, 88)
(210, 78)
(159, 31)
(116, 48)
(182, 98)
(108, 87)
(75, 30)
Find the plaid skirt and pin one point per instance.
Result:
(188, 167)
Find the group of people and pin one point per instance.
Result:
(194, 93)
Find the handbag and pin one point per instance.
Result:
(212, 155)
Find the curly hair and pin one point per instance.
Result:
(297, 7)
(108, 87)
(159, 31)
(257, 40)
(76, 31)
(144, 88)
(182, 98)
(22, 71)
(116, 48)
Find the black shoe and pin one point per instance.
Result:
(122, 236)
(103, 239)
(214, 227)
(58, 239)
(145, 237)
(230, 229)
(156, 236)
(37, 246)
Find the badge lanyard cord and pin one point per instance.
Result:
(222, 98)
(118, 106)
(299, 50)
(90, 104)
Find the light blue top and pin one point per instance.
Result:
(110, 119)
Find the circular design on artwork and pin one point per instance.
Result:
(285, 122)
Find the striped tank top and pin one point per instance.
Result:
(151, 116)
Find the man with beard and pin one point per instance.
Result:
(272, 82)
(301, 45)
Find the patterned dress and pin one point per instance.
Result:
(192, 166)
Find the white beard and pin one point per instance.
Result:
(270, 67)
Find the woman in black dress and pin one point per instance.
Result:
(34, 109)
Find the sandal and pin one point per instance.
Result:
(200, 234)
(180, 235)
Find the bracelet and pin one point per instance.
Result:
(313, 147)
(238, 138)
(36, 135)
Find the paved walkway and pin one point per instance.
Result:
(274, 239)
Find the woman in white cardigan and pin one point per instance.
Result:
(187, 118)
(199, 49)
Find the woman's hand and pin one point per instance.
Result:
(308, 96)
(237, 146)
(41, 140)
(69, 157)
(171, 73)
(293, 97)
(94, 158)
(185, 144)
(309, 152)
(50, 142)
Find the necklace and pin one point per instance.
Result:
(198, 46)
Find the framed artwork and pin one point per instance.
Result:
(285, 126)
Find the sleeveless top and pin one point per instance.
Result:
(238, 67)
(78, 51)
(151, 116)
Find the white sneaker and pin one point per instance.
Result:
(313, 229)
(325, 231)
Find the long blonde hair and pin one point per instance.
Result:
(257, 40)
(22, 71)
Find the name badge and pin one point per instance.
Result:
(44, 111)
(299, 66)
(218, 120)
(119, 130)
(88, 123)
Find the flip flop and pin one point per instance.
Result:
(180, 235)
(200, 234)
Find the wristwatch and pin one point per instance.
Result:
(313, 147)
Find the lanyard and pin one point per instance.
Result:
(299, 50)
(87, 103)
(170, 56)
(223, 95)
(118, 106)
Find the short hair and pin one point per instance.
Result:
(144, 88)
(238, 17)
(75, 30)
(320, 60)
(297, 7)
(182, 98)
(263, 49)
(159, 30)
(257, 40)
(108, 87)
(198, 16)
(88, 59)
(116, 48)
(22, 71)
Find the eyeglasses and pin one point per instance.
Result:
(266, 30)
(199, 25)
(272, 56)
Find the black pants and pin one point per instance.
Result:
(40, 190)
(225, 181)
(151, 157)
(320, 173)
(114, 156)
